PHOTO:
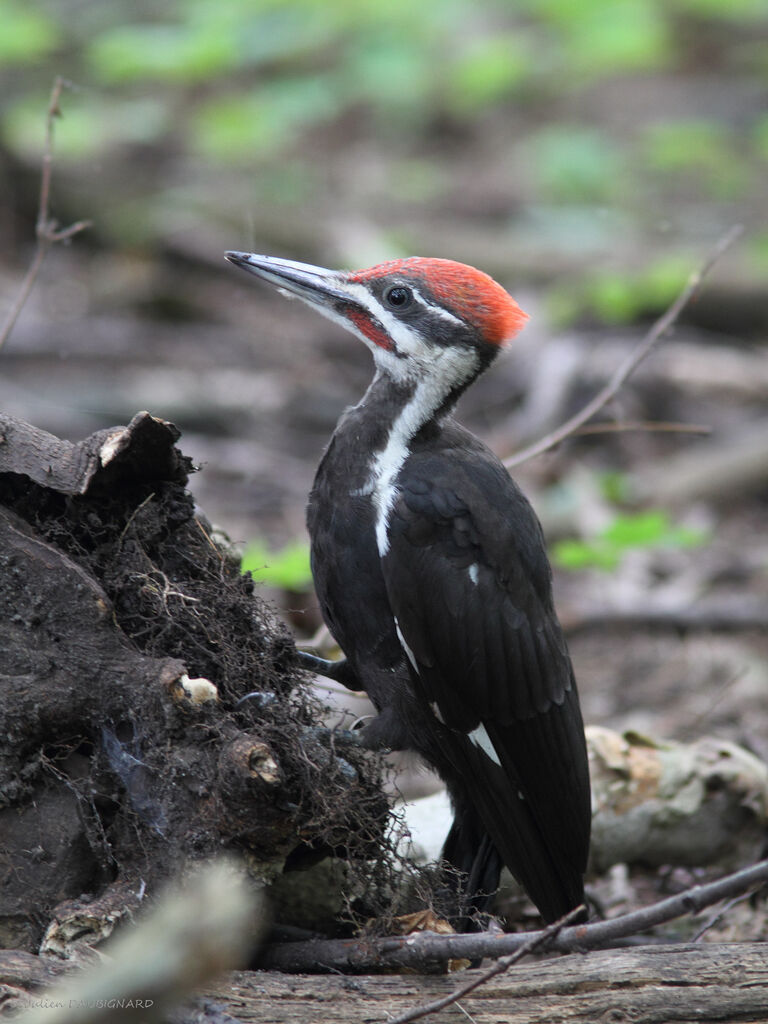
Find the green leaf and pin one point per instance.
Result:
(167, 52)
(700, 149)
(662, 280)
(262, 122)
(634, 531)
(727, 10)
(89, 124)
(614, 486)
(602, 37)
(578, 554)
(389, 71)
(492, 69)
(613, 297)
(618, 297)
(24, 33)
(287, 568)
(575, 164)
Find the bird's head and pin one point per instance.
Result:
(418, 316)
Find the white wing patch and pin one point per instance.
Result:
(474, 573)
(480, 738)
(405, 646)
(435, 708)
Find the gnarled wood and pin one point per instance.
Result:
(116, 768)
(693, 984)
(71, 469)
(651, 985)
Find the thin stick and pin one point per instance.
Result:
(47, 230)
(501, 965)
(26, 288)
(646, 426)
(633, 360)
(718, 914)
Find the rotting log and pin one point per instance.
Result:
(649, 985)
(144, 447)
(127, 636)
(706, 983)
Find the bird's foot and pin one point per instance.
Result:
(260, 698)
(329, 745)
(339, 738)
(340, 671)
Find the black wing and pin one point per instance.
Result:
(470, 586)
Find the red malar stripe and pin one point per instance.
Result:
(365, 323)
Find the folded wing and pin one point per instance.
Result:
(469, 584)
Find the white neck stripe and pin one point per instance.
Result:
(449, 368)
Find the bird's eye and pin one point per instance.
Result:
(398, 297)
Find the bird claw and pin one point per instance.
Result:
(260, 697)
(340, 671)
(334, 737)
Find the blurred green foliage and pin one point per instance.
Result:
(599, 38)
(649, 529)
(240, 84)
(576, 165)
(490, 70)
(300, 61)
(702, 151)
(26, 34)
(619, 297)
(288, 568)
(615, 486)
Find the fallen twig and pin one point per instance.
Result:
(426, 949)
(536, 942)
(47, 229)
(642, 426)
(633, 360)
(719, 914)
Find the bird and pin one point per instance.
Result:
(432, 575)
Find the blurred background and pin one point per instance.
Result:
(587, 153)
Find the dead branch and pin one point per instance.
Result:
(47, 229)
(633, 360)
(536, 942)
(424, 950)
(641, 426)
(719, 914)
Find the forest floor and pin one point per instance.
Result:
(669, 642)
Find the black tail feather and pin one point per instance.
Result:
(470, 851)
(495, 825)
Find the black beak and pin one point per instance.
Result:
(316, 285)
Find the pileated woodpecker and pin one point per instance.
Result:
(432, 575)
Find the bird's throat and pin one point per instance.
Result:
(400, 411)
